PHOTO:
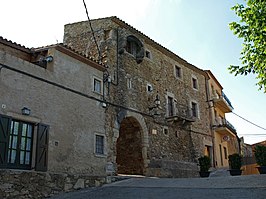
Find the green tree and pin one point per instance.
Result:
(252, 29)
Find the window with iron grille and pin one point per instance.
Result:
(99, 144)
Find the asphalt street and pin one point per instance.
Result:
(229, 187)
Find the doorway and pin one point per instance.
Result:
(129, 157)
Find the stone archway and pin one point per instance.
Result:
(131, 146)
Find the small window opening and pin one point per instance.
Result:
(177, 72)
(148, 54)
(194, 83)
(149, 88)
(165, 131)
(194, 108)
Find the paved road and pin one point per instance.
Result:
(240, 187)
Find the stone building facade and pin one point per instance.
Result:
(51, 120)
(157, 115)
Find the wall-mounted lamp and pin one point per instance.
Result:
(156, 105)
(48, 59)
(25, 111)
(104, 105)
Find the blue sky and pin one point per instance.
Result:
(196, 30)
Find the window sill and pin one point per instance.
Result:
(100, 155)
(179, 78)
(97, 93)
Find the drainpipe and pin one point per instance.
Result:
(117, 57)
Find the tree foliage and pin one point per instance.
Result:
(252, 29)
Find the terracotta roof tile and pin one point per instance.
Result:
(14, 45)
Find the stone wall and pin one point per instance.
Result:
(23, 184)
(172, 169)
(168, 140)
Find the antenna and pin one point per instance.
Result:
(99, 53)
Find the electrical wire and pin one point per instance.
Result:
(72, 90)
(253, 134)
(99, 53)
(247, 120)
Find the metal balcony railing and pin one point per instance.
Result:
(181, 112)
(222, 122)
(227, 100)
(222, 101)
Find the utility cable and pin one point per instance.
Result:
(246, 120)
(249, 121)
(99, 53)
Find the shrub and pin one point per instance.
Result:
(235, 161)
(204, 163)
(260, 155)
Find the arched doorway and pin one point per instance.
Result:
(129, 157)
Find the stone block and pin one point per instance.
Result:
(80, 184)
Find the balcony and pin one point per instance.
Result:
(224, 127)
(222, 102)
(180, 113)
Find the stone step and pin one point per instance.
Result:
(220, 173)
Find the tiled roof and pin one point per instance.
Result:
(14, 45)
(32, 50)
(69, 48)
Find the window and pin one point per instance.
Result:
(148, 54)
(132, 47)
(225, 153)
(99, 144)
(170, 106)
(178, 72)
(194, 109)
(149, 88)
(135, 47)
(16, 148)
(97, 85)
(20, 145)
(165, 131)
(195, 83)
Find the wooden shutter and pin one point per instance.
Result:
(5, 123)
(42, 147)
